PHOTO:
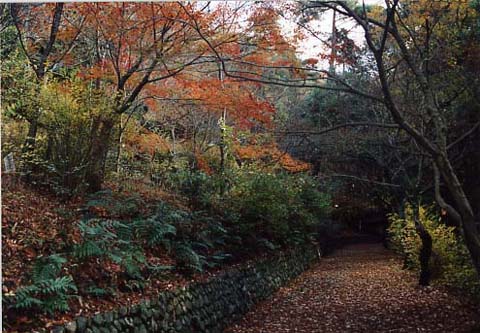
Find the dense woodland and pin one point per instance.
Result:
(160, 143)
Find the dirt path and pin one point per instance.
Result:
(359, 289)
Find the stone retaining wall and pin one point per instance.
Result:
(200, 307)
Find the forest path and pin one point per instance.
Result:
(360, 288)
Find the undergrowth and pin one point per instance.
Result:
(121, 236)
(450, 260)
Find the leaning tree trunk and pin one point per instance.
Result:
(101, 133)
(465, 214)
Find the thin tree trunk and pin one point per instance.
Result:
(119, 148)
(174, 152)
(333, 52)
(222, 152)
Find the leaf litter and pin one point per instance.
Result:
(360, 288)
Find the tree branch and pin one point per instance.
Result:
(337, 127)
(465, 135)
(441, 202)
(365, 180)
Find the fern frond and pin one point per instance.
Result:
(49, 295)
(47, 267)
(88, 249)
(26, 302)
(59, 285)
(125, 232)
(53, 304)
(187, 257)
(97, 291)
(159, 233)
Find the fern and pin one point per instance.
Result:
(170, 215)
(24, 297)
(188, 258)
(99, 235)
(160, 269)
(160, 228)
(115, 205)
(48, 292)
(47, 268)
(53, 305)
(114, 240)
(25, 300)
(49, 295)
(88, 249)
(100, 199)
(125, 231)
(59, 285)
(98, 229)
(97, 291)
(132, 262)
(173, 229)
(221, 257)
(155, 232)
(263, 242)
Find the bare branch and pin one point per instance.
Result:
(364, 180)
(337, 127)
(465, 135)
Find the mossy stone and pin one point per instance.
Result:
(98, 319)
(81, 324)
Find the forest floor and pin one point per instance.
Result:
(36, 224)
(360, 288)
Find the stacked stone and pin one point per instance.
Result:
(200, 307)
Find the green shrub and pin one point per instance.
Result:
(48, 292)
(450, 259)
(282, 208)
(64, 108)
(201, 189)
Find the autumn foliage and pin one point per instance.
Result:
(270, 153)
(133, 173)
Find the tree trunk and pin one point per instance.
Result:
(333, 52)
(101, 133)
(31, 136)
(425, 251)
(222, 155)
(462, 204)
(425, 254)
(472, 239)
(119, 147)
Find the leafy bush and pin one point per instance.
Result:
(48, 292)
(281, 208)
(64, 109)
(450, 260)
(201, 189)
